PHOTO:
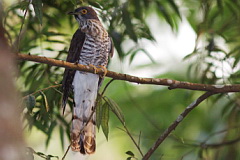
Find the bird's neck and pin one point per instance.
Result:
(93, 28)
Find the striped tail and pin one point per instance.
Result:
(83, 142)
(83, 132)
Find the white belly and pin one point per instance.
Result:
(85, 93)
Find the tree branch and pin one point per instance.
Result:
(217, 145)
(54, 86)
(172, 127)
(119, 76)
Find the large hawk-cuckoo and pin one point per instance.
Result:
(90, 45)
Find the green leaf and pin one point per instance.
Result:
(200, 153)
(54, 34)
(165, 13)
(220, 4)
(74, 2)
(130, 153)
(233, 7)
(50, 130)
(61, 133)
(133, 54)
(45, 101)
(63, 122)
(55, 41)
(37, 5)
(23, 5)
(51, 156)
(127, 21)
(105, 119)
(30, 102)
(138, 9)
(40, 154)
(228, 108)
(148, 54)
(236, 61)
(94, 4)
(132, 57)
(115, 109)
(175, 8)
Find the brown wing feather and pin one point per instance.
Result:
(110, 55)
(73, 57)
(112, 48)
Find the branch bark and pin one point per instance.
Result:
(172, 127)
(173, 84)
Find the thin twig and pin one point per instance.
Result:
(60, 93)
(129, 134)
(65, 154)
(172, 127)
(105, 88)
(219, 132)
(204, 143)
(54, 86)
(173, 84)
(131, 137)
(23, 20)
(139, 138)
(217, 145)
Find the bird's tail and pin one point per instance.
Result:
(83, 124)
(83, 136)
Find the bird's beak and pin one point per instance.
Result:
(72, 13)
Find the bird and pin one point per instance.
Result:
(90, 45)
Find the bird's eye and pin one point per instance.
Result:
(84, 11)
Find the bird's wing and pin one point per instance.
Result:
(111, 49)
(73, 57)
(110, 55)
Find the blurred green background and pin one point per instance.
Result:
(185, 40)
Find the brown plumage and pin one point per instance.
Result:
(73, 57)
(90, 45)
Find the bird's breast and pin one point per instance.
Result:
(94, 51)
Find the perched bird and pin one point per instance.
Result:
(90, 45)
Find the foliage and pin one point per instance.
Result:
(30, 152)
(43, 27)
(217, 27)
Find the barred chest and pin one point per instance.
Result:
(96, 45)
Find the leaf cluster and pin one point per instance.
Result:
(216, 57)
(217, 50)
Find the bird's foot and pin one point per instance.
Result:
(94, 68)
(104, 69)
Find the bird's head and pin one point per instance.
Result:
(83, 13)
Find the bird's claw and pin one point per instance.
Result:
(94, 68)
(104, 69)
